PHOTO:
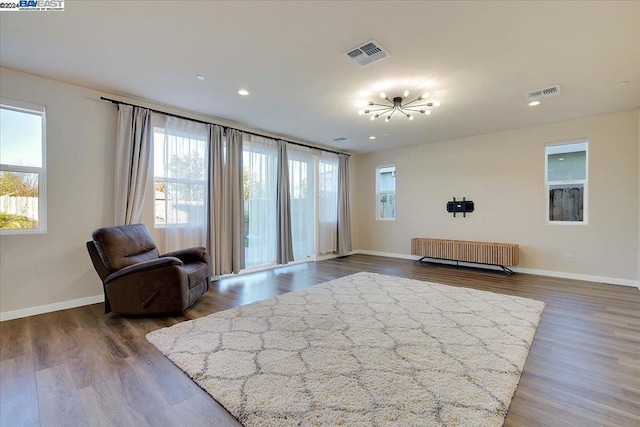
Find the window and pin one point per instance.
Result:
(327, 203)
(22, 168)
(301, 189)
(386, 193)
(259, 175)
(180, 174)
(566, 183)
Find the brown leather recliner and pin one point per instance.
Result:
(138, 280)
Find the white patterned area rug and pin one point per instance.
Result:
(362, 350)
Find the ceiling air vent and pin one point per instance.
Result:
(539, 94)
(340, 139)
(367, 53)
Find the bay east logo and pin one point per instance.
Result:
(32, 5)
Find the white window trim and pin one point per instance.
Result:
(22, 106)
(584, 182)
(379, 193)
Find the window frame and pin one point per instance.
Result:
(379, 193)
(583, 182)
(40, 171)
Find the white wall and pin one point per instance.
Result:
(54, 267)
(503, 173)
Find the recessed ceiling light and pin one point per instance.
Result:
(243, 92)
(561, 158)
(200, 77)
(372, 137)
(534, 103)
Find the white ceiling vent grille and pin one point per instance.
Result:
(367, 53)
(539, 94)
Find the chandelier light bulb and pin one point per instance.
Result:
(405, 94)
(409, 116)
(425, 95)
(428, 112)
(361, 112)
(386, 119)
(436, 104)
(374, 117)
(383, 95)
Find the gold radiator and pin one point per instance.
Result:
(501, 254)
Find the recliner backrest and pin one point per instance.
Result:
(124, 245)
(96, 259)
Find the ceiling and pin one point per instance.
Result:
(477, 58)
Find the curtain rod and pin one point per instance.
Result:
(115, 101)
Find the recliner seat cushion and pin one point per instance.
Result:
(125, 245)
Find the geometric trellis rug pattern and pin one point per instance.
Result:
(362, 350)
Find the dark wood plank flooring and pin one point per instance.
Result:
(81, 367)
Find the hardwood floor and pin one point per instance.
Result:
(81, 367)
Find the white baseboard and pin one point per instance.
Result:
(48, 308)
(560, 274)
(387, 254)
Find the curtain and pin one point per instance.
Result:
(181, 170)
(225, 235)
(344, 210)
(218, 242)
(260, 168)
(233, 174)
(301, 182)
(284, 248)
(133, 149)
(328, 202)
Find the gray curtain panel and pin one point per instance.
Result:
(216, 238)
(225, 236)
(233, 204)
(284, 245)
(344, 210)
(133, 151)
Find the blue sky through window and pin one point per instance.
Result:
(20, 138)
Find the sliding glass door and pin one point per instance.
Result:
(302, 190)
(327, 203)
(259, 173)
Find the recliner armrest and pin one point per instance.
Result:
(196, 254)
(153, 264)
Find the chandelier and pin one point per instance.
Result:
(390, 106)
